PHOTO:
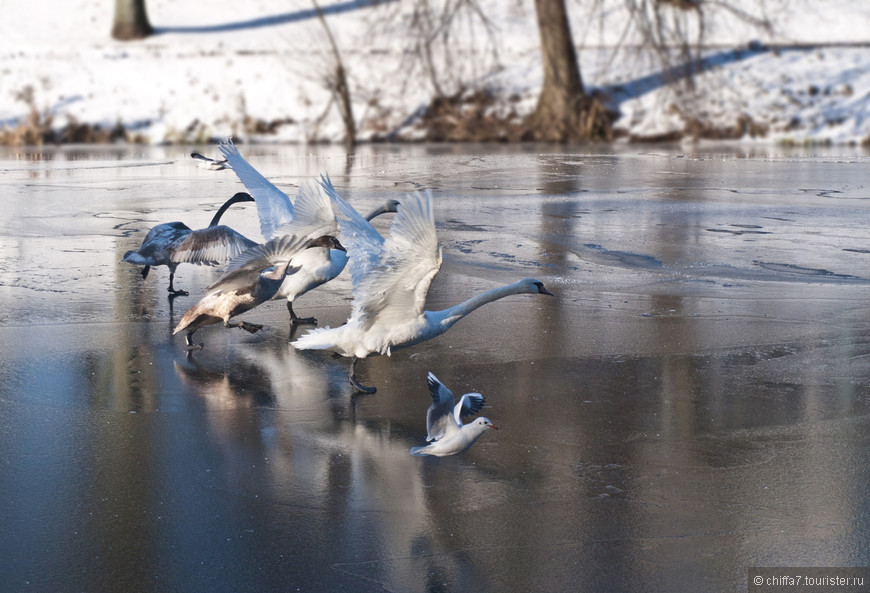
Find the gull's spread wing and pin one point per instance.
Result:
(439, 416)
(469, 404)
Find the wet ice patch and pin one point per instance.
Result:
(741, 230)
(625, 259)
(793, 269)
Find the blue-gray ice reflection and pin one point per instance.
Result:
(693, 402)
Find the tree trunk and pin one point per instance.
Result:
(564, 111)
(131, 20)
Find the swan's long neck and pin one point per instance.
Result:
(239, 197)
(447, 317)
(388, 206)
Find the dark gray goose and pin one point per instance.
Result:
(173, 243)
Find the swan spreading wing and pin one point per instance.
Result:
(244, 270)
(363, 241)
(211, 246)
(443, 417)
(394, 289)
(390, 276)
(313, 214)
(273, 206)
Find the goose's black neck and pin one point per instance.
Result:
(239, 197)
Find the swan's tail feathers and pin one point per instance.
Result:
(314, 339)
(420, 451)
(182, 325)
(133, 257)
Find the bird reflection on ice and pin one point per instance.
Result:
(284, 434)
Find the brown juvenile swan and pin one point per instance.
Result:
(252, 281)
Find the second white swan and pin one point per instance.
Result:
(390, 280)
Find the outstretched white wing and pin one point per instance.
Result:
(243, 270)
(393, 288)
(273, 205)
(313, 214)
(363, 242)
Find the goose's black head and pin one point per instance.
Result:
(327, 241)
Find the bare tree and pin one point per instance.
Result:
(564, 112)
(336, 81)
(131, 20)
(674, 33)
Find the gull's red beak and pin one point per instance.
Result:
(493, 426)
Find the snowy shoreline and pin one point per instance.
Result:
(194, 84)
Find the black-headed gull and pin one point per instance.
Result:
(446, 433)
(173, 243)
(391, 277)
(203, 162)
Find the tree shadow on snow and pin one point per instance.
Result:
(617, 93)
(274, 20)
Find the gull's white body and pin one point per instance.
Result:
(203, 162)
(446, 433)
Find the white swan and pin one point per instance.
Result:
(390, 280)
(255, 277)
(312, 215)
(446, 433)
(173, 243)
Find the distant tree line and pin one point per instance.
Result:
(564, 111)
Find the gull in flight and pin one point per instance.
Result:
(446, 433)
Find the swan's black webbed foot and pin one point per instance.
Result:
(191, 345)
(357, 386)
(296, 320)
(172, 290)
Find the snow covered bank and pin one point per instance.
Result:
(255, 70)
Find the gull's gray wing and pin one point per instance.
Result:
(439, 416)
(469, 404)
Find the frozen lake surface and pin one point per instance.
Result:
(694, 401)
